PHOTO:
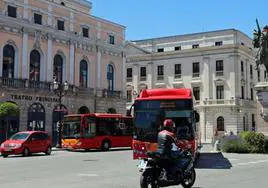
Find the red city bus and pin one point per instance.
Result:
(96, 131)
(152, 107)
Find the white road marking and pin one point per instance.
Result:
(88, 175)
(233, 159)
(251, 162)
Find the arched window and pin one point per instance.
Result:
(58, 68)
(36, 117)
(111, 111)
(83, 110)
(83, 74)
(110, 77)
(34, 73)
(8, 61)
(220, 123)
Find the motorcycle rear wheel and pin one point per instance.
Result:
(148, 181)
(189, 181)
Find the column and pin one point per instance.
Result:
(135, 78)
(25, 10)
(49, 60)
(150, 75)
(123, 75)
(247, 78)
(98, 76)
(25, 72)
(49, 19)
(208, 90)
(72, 21)
(98, 80)
(72, 69)
(98, 30)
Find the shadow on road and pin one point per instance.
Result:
(31, 155)
(212, 161)
(97, 150)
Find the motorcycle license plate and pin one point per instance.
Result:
(142, 164)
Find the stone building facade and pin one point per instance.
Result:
(262, 107)
(43, 41)
(219, 66)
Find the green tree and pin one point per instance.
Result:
(8, 109)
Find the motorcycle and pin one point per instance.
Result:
(154, 173)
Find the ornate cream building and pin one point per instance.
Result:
(219, 66)
(43, 40)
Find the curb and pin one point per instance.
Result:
(57, 149)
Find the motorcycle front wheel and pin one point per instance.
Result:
(188, 181)
(147, 180)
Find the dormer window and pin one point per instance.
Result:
(85, 32)
(177, 48)
(111, 39)
(195, 46)
(12, 11)
(61, 25)
(37, 18)
(218, 43)
(160, 50)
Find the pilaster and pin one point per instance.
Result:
(71, 73)
(49, 19)
(49, 59)
(150, 75)
(207, 73)
(25, 66)
(98, 80)
(25, 10)
(123, 75)
(136, 77)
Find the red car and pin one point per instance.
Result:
(27, 142)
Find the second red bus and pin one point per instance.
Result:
(96, 131)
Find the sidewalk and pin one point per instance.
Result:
(207, 148)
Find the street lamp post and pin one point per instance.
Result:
(60, 90)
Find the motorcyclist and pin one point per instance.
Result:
(166, 141)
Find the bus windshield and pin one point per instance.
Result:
(150, 115)
(71, 128)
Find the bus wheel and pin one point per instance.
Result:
(105, 145)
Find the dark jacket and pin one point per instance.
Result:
(165, 141)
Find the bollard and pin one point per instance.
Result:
(217, 145)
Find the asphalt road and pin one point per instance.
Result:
(116, 169)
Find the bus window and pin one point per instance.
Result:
(128, 127)
(89, 127)
(104, 126)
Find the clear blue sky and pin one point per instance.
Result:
(154, 18)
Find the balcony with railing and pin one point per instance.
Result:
(219, 102)
(196, 75)
(13, 82)
(105, 93)
(82, 90)
(160, 77)
(247, 103)
(30, 85)
(219, 73)
(129, 79)
(38, 85)
(177, 76)
(143, 78)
